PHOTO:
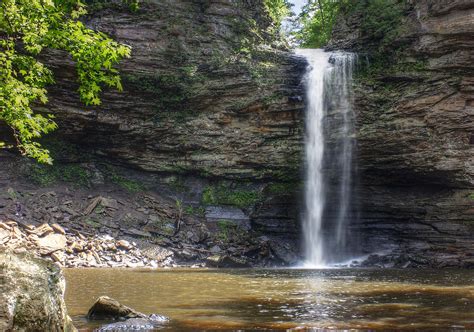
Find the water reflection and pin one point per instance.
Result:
(208, 300)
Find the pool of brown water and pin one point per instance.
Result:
(282, 299)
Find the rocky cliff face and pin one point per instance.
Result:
(211, 114)
(206, 92)
(415, 133)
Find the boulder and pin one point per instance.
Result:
(51, 243)
(32, 295)
(284, 251)
(157, 253)
(216, 249)
(108, 308)
(42, 230)
(109, 203)
(229, 213)
(124, 244)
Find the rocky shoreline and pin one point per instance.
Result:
(76, 249)
(78, 244)
(73, 249)
(117, 229)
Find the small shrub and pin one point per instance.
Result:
(228, 231)
(208, 197)
(195, 211)
(12, 194)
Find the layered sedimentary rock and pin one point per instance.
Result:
(415, 134)
(209, 92)
(205, 91)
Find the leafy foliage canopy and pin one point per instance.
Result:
(28, 28)
(379, 20)
(278, 10)
(316, 22)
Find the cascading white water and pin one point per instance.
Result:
(339, 163)
(314, 150)
(329, 123)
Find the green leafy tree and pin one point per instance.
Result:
(316, 22)
(27, 28)
(380, 20)
(278, 10)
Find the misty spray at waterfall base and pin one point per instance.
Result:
(329, 158)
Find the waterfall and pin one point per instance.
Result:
(329, 156)
(314, 151)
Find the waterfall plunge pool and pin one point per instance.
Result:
(282, 299)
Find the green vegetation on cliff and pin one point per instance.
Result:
(380, 20)
(29, 27)
(123, 181)
(222, 195)
(95, 5)
(46, 175)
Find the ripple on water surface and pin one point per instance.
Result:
(282, 299)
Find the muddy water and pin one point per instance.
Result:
(234, 300)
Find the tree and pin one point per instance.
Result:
(316, 22)
(379, 20)
(27, 28)
(278, 10)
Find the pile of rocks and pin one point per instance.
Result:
(74, 249)
(113, 229)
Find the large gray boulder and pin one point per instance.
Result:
(32, 295)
